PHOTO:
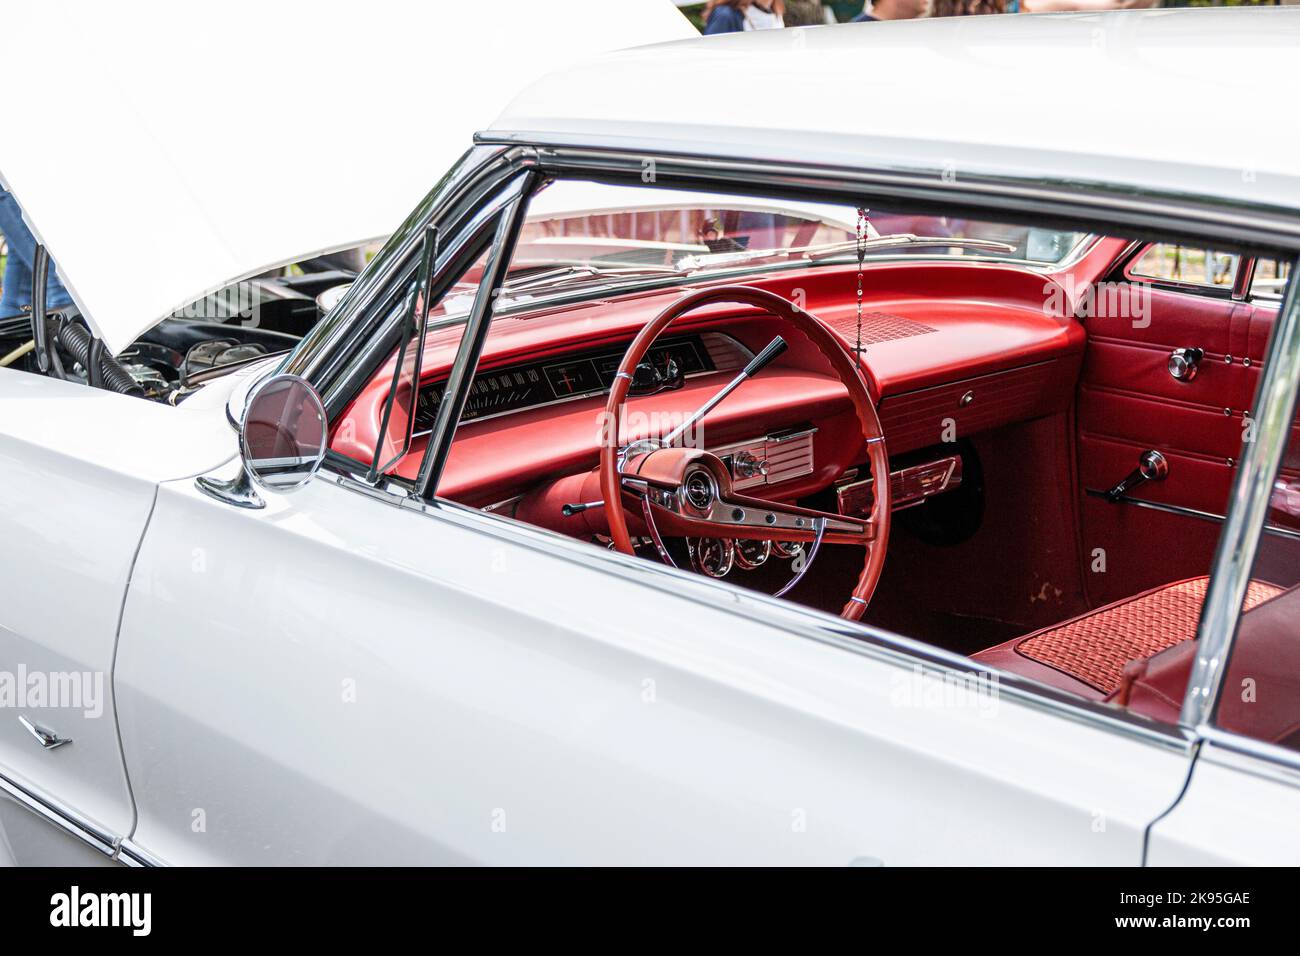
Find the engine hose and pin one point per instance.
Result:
(79, 343)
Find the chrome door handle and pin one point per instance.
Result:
(1152, 466)
(46, 738)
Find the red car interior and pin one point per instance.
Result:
(1023, 562)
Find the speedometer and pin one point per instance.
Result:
(712, 556)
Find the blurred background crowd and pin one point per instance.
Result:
(733, 16)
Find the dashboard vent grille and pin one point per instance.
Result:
(880, 327)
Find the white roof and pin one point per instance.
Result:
(162, 149)
(1190, 100)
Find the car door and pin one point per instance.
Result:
(78, 474)
(345, 677)
(353, 675)
(1165, 299)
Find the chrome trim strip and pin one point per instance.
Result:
(808, 559)
(1188, 512)
(459, 380)
(60, 815)
(807, 623)
(133, 855)
(1250, 747)
(1247, 513)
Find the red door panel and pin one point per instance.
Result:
(1128, 403)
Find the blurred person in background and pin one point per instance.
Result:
(16, 295)
(1057, 6)
(894, 10)
(961, 8)
(805, 13)
(734, 16)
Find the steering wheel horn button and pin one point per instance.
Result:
(700, 490)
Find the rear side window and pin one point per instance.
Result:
(1269, 279)
(1195, 268)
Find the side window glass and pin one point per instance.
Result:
(1269, 279)
(1194, 268)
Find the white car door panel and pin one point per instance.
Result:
(78, 475)
(1239, 810)
(338, 679)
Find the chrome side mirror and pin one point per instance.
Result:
(282, 442)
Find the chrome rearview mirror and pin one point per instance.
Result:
(282, 442)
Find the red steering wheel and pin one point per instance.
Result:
(688, 491)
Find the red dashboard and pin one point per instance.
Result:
(950, 348)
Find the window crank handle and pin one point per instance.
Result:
(1152, 466)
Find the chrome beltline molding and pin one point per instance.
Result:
(60, 815)
(134, 855)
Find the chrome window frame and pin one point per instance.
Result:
(1171, 216)
(1224, 292)
(1247, 514)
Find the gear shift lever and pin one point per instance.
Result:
(1152, 466)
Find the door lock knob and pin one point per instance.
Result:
(1152, 466)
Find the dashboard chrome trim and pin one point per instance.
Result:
(759, 449)
(909, 486)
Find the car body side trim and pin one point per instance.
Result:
(1271, 755)
(59, 814)
(134, 855)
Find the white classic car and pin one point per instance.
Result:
(831, 469)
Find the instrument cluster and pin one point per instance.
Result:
(580, 375)
(716, 557)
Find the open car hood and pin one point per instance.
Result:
(164, 150)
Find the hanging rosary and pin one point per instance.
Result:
(861, 235)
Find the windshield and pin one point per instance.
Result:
(579, 232)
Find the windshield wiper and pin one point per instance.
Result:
(828, 250)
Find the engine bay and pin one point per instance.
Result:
(242, 323)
